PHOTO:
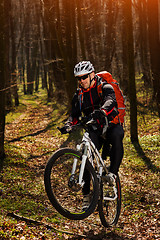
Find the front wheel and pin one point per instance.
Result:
(109, 204)
(62, 188)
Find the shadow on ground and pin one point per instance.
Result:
(103, 235)
(146, 159)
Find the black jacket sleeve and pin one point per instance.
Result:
(109, 103)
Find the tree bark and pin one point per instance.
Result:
(131, 70)
(13, 63)
(2, 78)
(154, 44)
(110, 34)
(143, 42)
(8, 96)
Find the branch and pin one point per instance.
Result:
(12, 86)
(48, 226)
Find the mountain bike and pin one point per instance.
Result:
(64, 180)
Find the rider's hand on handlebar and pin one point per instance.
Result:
(102, 121)
(66, 128)
(99, 116)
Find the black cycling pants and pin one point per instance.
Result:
(113, 146)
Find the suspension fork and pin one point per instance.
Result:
(83, 163)
(74, 166)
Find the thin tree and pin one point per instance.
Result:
(131, 69)
(154, 44)
(2, 77)
(143, 42)
(13, 54)
(8, 96)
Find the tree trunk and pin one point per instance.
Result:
(142, 11)
(154, 44)
(28, 49)
(110, 34)
(8, 96)
(125, 74)
(80, 30)
(131, 70)
(13, 64)
(2, 79)
(68, 50)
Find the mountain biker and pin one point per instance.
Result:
(99, 109)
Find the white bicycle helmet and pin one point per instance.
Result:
(83, 68)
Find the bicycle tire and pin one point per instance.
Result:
(109, 211)
(62, 197)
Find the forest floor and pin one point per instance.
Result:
(31, 136)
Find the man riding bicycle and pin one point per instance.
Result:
(86, 100)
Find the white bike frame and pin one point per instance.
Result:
(90, 152)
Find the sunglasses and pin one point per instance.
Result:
(82, 77)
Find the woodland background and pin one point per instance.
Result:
(40, 42)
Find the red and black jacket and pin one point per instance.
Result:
(87, 101)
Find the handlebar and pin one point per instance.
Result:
(84, 122)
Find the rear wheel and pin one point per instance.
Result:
(62, 188)
(109, 203)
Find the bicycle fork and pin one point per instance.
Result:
(80, 182)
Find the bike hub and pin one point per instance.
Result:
(73, 183)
